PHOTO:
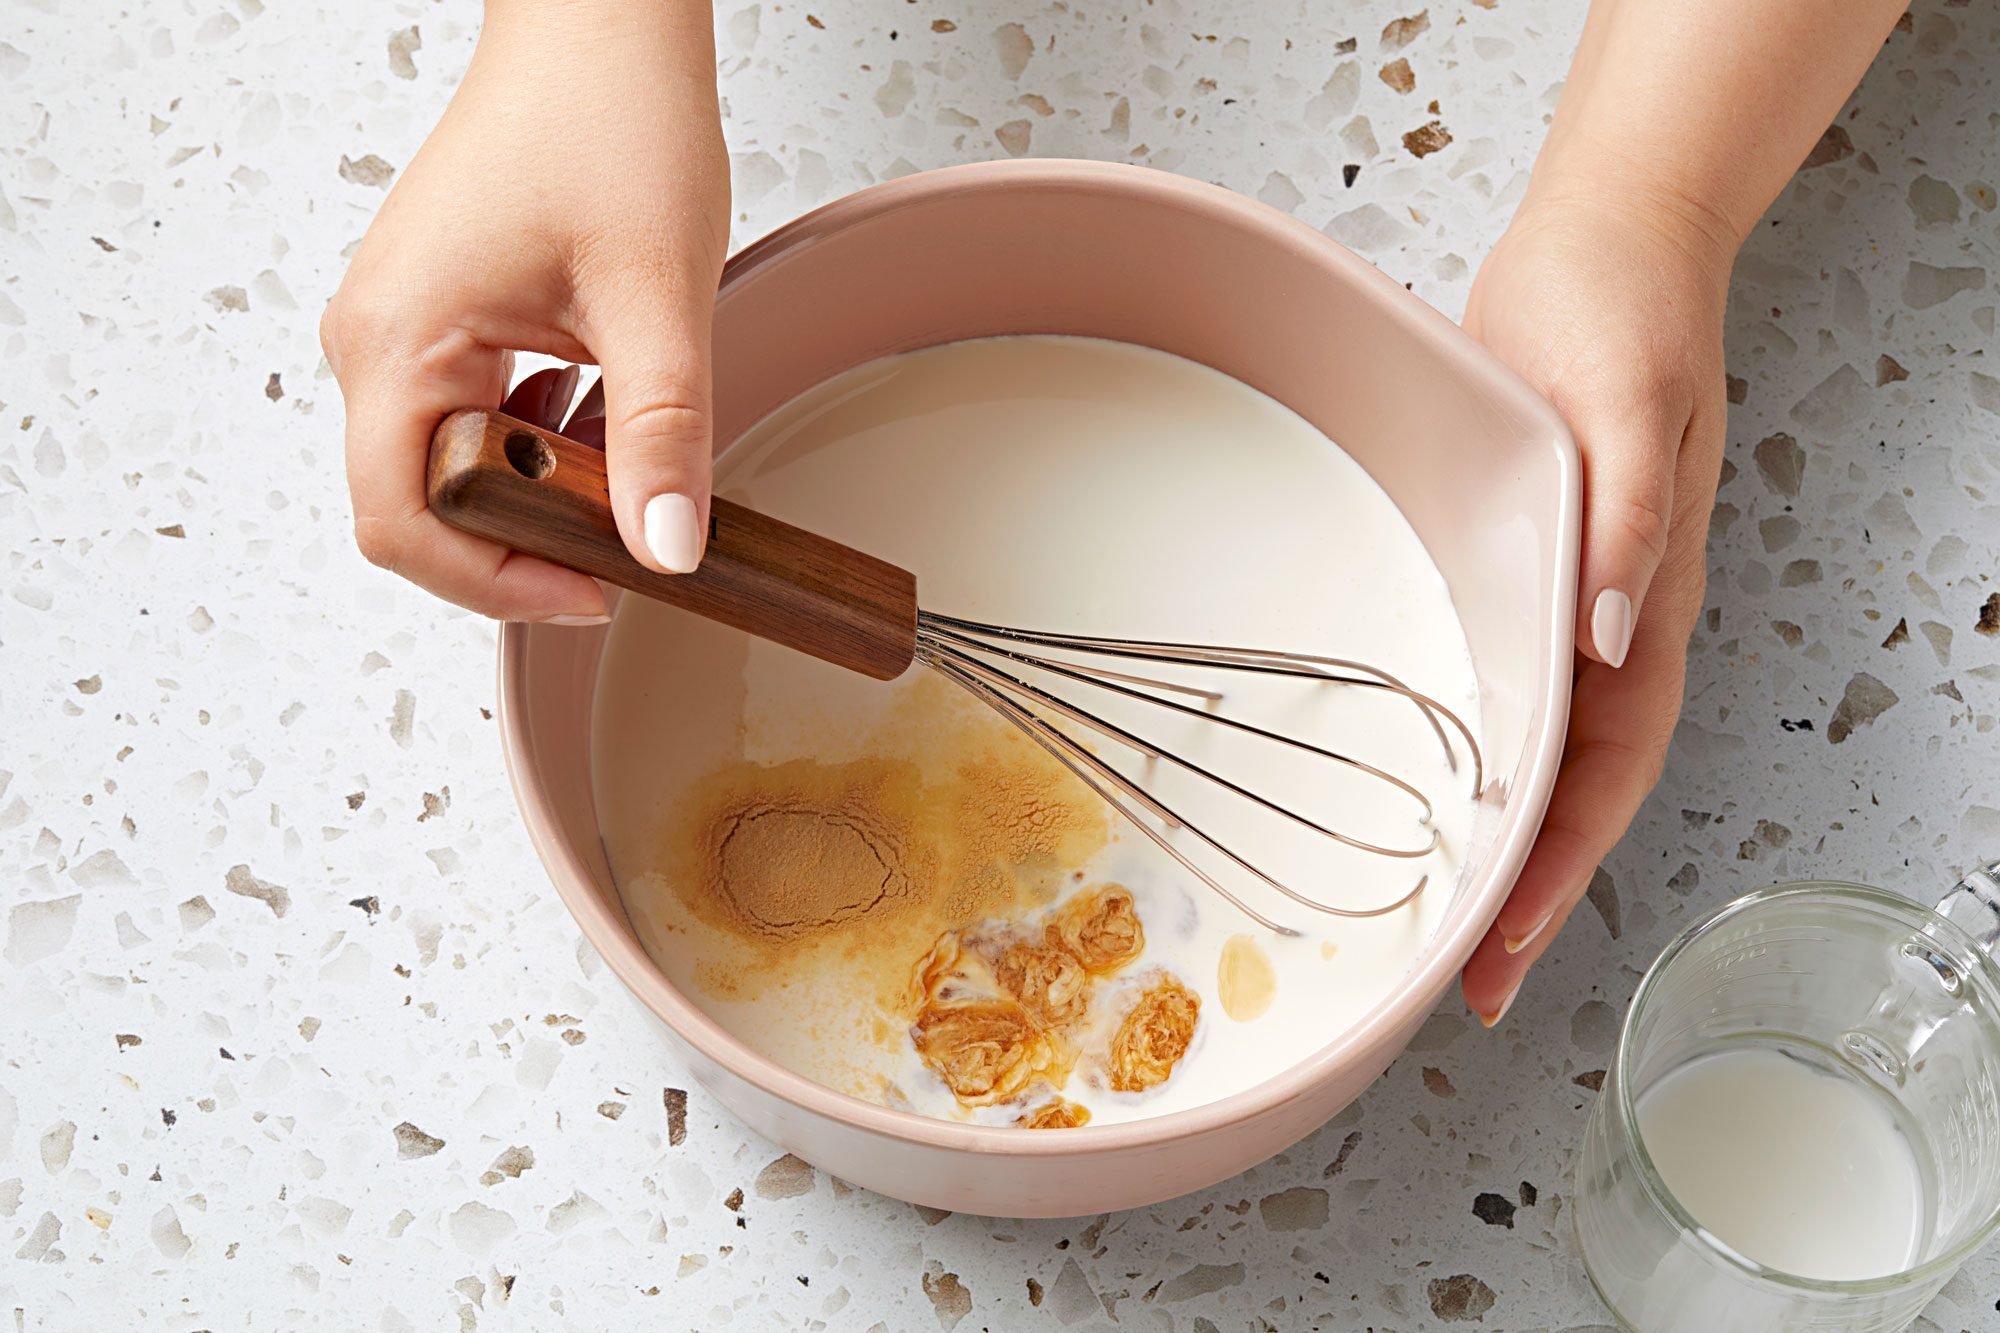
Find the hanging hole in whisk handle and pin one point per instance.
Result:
(529, 454)
(546, 495)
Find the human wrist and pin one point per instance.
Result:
(674, 35)
(1578, 185)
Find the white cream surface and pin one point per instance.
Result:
(1801, 1170)
(1073, 484)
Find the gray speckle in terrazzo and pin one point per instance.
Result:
(293, 1031)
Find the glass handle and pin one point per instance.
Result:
(1974, 906)
(1911, 1011)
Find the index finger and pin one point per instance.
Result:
(394, 404)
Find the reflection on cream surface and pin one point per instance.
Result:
(791, 840)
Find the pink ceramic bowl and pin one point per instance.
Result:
(1483, 468)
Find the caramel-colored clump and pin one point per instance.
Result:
(1100, 929)
(1048, 982)
(1055, 1113)
(985, 1050)
(1153, 1036)
(998, 1003)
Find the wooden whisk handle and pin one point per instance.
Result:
(545, 495)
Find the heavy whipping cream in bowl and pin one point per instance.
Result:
(888, 888)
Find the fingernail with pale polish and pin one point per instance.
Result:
(673, 533)
(1493, 1019)
(1513, 945)
(1611, 626)
(578, 620)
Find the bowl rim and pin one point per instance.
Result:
(610, 934)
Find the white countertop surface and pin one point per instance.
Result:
(265, 896)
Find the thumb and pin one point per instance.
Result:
(654, 351)
(1628, 491)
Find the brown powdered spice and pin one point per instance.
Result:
(804, 865)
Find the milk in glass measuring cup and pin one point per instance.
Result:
(1801, 1127)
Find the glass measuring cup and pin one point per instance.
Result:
(1855, 980)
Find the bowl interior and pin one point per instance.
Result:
(1483, 468)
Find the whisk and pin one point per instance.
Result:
(544, 494)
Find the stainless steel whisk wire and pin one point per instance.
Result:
(965, 652)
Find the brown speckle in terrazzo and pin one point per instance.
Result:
(1989, 617)
(931, 1216)
(241, 882)
(1833, 146)
(370, 906)
(403, 44)
(1034, 1293)
(1437, 1083)
(171, 530)
(1898, 635)
(1495, 1210)
(354, 799)
(1782, 463)
(1347, 1147)
(1528, 1194)
(1015, 136)
(786, 1177)
(1401, 32)
(413, 1142)
(1798, 573)
(949, 1298)
(1791, 634)
(1888, 371)
(127, 1040)
(89, 685)
(733, 1201)
(1302, 1208)
(677, 1107)
(274, 388)
(1014, 48)
(1735, 390)
(1865, 699)
(1426, 139)
(943, 25)
(611, 1110)
(368, 170)
(1349, 173)
(1461, 1298)
(1398, 75)
(1603, 895)
(229, 298)
(508, 1165)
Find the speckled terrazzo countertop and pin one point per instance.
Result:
(294, 1033)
